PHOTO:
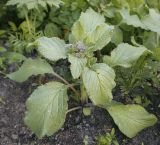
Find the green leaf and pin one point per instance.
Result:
(156, 53)
(133, 20)
(78, 33)
(31, 4)
(152, 21)
(52, 48)
(77, 65)
(46, 109)
(149, 22)
(99, 82)
(117, 36)
(131, 119)
(100, 37)
(90, 20)
(92, 30)
(52, 30)
(2, 49)
(30, 67)
(125, 55)
(14, 57)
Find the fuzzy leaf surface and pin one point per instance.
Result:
(124, 55)
(99, 82)
(46, 109)
(77, 65)
(131, 119)
(52, 48)
(31, 4)
(31, 67)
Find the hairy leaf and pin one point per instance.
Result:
(14, 57)
(152, 21)
(52, 48)
(100, 37)
(46, 109)
(90, 20)
(149, 22)
(131, 119)
(99, 82)
(30, 67)
(133, 20)
(31, 4)
(125, 55)
(78, 32)
(77, 65)
(92, 29)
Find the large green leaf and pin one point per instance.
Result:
(14, 57)
(78, 32)
(152, 21)
(31, 4)
(90, 20)
(133, 20)
(77, 65)
(125, 55)
(52, 48)
(99, 82)
(30, 67)
(92, 29)
(46, 109)
(100, 37)
(131, 119)
(149, 22)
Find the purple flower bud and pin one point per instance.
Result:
(80, 46)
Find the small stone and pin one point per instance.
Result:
(14, 136)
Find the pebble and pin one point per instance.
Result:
(14, 136)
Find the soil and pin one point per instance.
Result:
(77, 128)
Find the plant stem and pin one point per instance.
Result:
(84, 98)
(73, 109)
(28, 23)
(99, 56)
(66, 82)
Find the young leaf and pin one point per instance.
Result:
(133, 20)
(31, 4)
(90, 20)
(124, 55)
(14, 57)
(152, 21)
(46, 109)
(78, 33)
(52, 48)
(77, 65)
(131, 119)
(99, 82)
(100, 37)
(149, 22)
(30, 67)
(117, 36)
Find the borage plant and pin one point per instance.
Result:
(47, 106)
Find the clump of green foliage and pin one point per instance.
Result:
(108, 139)
(94, 74)
(106, 42)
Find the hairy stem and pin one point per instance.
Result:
(67, 83)
(84, 97)
(73, 109)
